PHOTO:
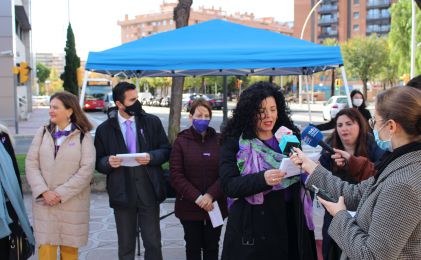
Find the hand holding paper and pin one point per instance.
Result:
(129, 159)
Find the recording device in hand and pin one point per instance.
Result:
(287, 143)
(313, 137)
(323, 194)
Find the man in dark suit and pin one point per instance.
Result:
(134, 192)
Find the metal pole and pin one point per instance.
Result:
(308, 99)
(413, 38)
(16, 103)
(225, 91)
(348, 95)
(308, 17)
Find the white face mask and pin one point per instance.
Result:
(357, 102)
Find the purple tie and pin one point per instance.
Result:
(130, 137)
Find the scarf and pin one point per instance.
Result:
(253, 157)
(9, 185)
(389, 157)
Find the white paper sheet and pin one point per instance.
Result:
(129, 159)
(216, 216)
(291, 169)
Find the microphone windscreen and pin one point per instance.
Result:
(311, 136)
(287, 142)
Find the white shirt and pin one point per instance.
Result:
(123, 127)
(60, 140)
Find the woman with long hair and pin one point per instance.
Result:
(387, 221)
(269, 215)
(350, 135)
(59, 168)
(11, 197)
(358, 102)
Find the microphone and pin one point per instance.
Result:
(313, 137)
(287, 143)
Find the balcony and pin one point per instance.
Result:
(378, 4)
(327, 21)
(374, 17)
(330, 34)
(327, 9)
(378, 29)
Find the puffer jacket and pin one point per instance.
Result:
(69, 174)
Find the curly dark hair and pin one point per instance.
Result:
(245, 115)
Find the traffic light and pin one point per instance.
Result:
(238, 83)
(405, 78)
(338, 82)
(79, 75)
(23, 72)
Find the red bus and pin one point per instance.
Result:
(96, 90)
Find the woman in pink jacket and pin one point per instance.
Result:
(59, 168)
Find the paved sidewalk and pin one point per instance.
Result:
(102, 243)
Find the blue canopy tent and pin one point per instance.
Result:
(215, 48)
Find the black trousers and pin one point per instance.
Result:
(200, 237)
(126, 223)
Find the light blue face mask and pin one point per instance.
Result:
(383, 144)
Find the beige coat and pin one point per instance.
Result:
(69, 174)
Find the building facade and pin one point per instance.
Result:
(149, 24)
(342, 19)
(51, 60)
(15, 47)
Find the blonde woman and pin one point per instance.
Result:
(59, 168)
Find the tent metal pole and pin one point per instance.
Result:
(83, 92)
(308, 99)
(300, 83)
(225, 91)
(413, 38)
(348, 94)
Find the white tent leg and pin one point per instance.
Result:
(308, 99)
(348, 94)
(83, 92)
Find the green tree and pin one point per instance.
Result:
(364, 58)
(399, 38)
(69, 75)
(43, 72)
(181, 18)
(333, 72)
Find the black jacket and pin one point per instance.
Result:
(109, 141)
(274, 230)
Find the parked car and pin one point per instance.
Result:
(40, 100)
(166, 101)
(108, 102)
(216, 101)
(335, 102)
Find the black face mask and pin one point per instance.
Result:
(135, 109)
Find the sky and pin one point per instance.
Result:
(94, 22)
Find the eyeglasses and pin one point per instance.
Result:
(372, 122)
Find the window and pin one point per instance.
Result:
(356, 2)
(356, 15)
(356, 27)
(164, 23)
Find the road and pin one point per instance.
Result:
(299, 118)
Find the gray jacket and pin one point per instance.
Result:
(387, 224)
